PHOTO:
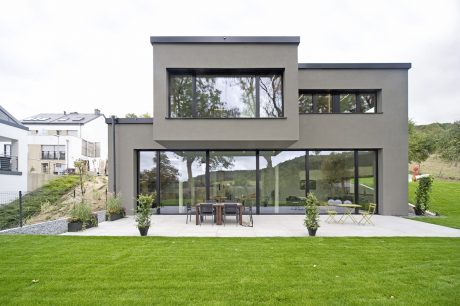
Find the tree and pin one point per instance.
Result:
(337, 168)
(82, 166)
(133, 115)
(130, 115)
(421, 145)
(449, 144)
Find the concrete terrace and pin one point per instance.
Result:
(271, 226)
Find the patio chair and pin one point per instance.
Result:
(249, 212)
(206, 209)
(367, 215)
(190, 212)
(232, 210)
(331, 212)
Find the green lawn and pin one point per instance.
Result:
(228, 271)
(445, 199)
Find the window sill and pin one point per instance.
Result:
(191, 118)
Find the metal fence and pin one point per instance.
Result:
(19, 208)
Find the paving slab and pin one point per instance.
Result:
(272, 226)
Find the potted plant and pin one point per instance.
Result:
(81, 217)
(114, 209)
(311, 214)
(143, 212)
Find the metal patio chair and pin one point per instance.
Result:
(232, 210)
(206, 209)
(331, 212)
(190, 212)
(367, 215)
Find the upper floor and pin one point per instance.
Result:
(253, 90)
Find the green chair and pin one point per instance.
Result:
(367, 215)
(331, 212)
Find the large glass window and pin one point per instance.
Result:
(282, 181)
(182, 179)
(337, 101)
(331, 175)
(232, 176)
(147, 171)
(225, 94)
(367, 171)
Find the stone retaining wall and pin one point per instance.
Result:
(55, 227)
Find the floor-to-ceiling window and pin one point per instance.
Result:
(147, 171)
(367, 171)
(331, 175)
(283, 178)
(182, 179)
(232, 176)
(282, 181)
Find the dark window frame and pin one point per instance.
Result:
(335, 95)
(257, 154)
(196, 72)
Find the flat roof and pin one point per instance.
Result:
(225, 40)
(129, 120)
(355, 65)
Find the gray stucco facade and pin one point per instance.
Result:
(383, 131)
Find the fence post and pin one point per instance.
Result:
(20, 208)
(74, 193)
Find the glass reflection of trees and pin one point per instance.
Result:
(227, 96)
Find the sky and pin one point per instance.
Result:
(80, 55)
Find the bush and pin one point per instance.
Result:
(114, 206)
(422, 194)
(311, 212)
(143, 209)
(81, 212)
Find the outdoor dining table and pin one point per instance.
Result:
(219, 208)
(348, 212)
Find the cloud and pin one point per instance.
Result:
(81, 55)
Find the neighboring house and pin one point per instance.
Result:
(13, 153)
(57, 140)
(239, 119)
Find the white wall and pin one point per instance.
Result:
(18, 138)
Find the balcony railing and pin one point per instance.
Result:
(54, 155)
(8, 163)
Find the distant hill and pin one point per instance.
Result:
(433, 129)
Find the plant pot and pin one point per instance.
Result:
(75, 226)
(312, 231)
(143, 230)
(418, 211)
(114, 217)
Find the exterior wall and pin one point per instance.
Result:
(279, 131)
(126, 159)
(386, 130)
(15, 181)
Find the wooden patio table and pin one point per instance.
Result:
(219, 209)
(348, 212)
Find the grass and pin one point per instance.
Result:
(445, 199)
(49, 194)
(439, 168)
(228, 271)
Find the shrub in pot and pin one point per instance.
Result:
(114, 209)
(143, 212)
(422, 195)
(81, 217)
(311, 214)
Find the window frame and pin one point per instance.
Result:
(197, 72)
(335, 96)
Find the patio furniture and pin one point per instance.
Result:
(348, 212)
(331, 212)
(189, 212)
(231, 209)
(251, 221)
(206, 209)
(367, 215)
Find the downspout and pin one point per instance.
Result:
(114, 157)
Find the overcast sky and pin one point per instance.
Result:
(81, 55)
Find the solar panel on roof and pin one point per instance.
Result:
(78, 119)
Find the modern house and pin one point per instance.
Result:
(13, 153)
(56, 140)
(239, 119)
